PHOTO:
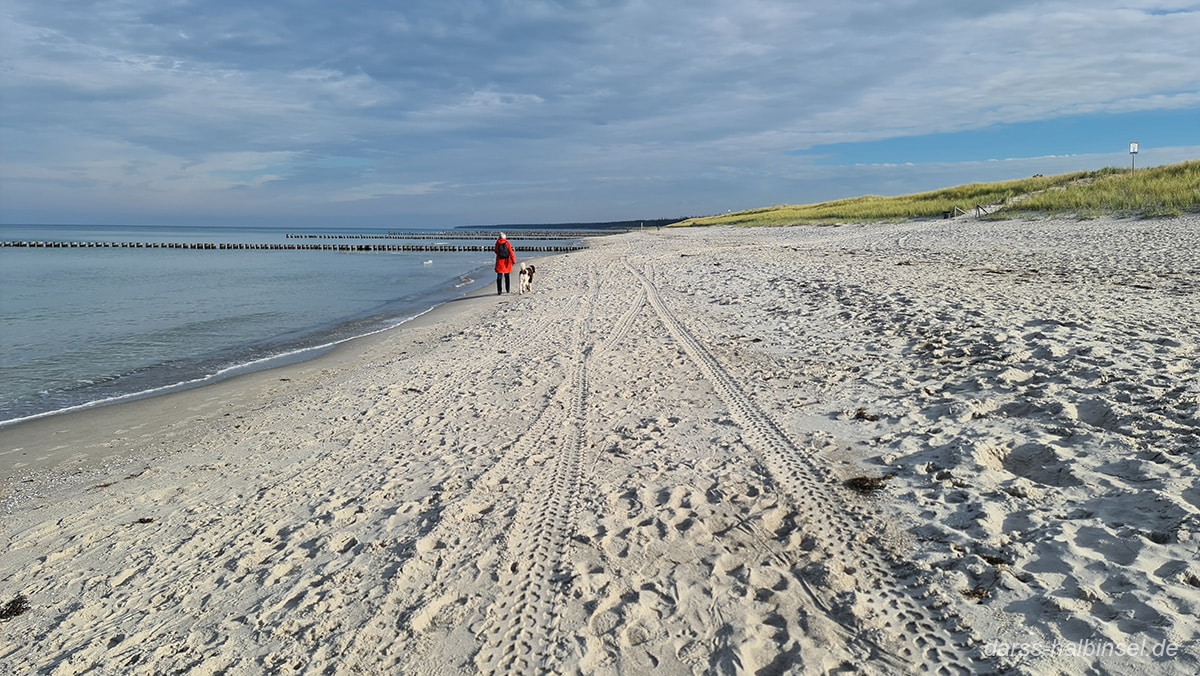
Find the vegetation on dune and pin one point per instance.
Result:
(1148, 193)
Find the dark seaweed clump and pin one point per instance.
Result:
(976, 594)
(15, 607)
(868, 484)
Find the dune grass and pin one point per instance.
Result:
(1147, 193)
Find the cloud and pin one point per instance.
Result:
(384, 190)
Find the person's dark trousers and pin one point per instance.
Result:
(501, 276)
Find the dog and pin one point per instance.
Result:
(525, 278)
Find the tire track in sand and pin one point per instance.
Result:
(520, 632)
(422, 601)
(511, 627)
(886, 611)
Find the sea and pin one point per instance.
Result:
(83, 327)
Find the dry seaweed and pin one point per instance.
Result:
(861, 414)
(868, 484)
(977, 593)
(19, 605)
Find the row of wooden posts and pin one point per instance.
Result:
(543, 235)
(282, 247)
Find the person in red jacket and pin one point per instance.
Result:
(505, 259)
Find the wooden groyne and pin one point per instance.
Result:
(211, 246)
(524, 234)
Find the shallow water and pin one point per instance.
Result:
(81, 326)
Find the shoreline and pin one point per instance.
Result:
(642, 466)
(72, 428)
(268, 363)
(307, 344)
(76, 350)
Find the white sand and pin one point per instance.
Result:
(638, 468)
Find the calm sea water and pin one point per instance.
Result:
(80, 327)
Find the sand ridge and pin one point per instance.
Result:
(639, 467)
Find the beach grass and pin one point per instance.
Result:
(1170, 190)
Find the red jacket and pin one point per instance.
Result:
(505, 265)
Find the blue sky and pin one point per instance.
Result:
(447, 112)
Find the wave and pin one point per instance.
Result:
(284, 358)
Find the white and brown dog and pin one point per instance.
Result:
(526, 278)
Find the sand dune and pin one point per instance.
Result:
(640, 467)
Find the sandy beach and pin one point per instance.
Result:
(642, 467)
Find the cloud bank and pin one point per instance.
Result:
(441, 113)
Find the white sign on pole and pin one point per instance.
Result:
(1133, 147)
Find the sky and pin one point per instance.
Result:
(437, 113)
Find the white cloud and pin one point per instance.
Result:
(383, 190)
(476, 108)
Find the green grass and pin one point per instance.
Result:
(1147, 193)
